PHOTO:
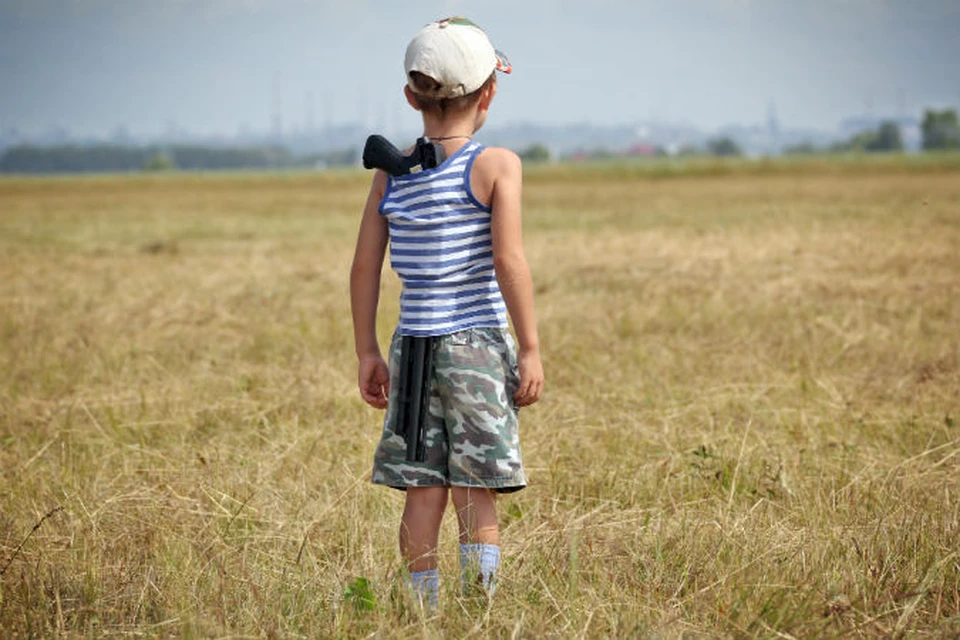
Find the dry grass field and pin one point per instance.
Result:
(750, 427)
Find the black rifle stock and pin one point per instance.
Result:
(380, 153)
(416, 373)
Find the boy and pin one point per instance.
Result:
(455, 241)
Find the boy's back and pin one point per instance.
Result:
(440, 246)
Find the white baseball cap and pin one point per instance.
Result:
(457, 54)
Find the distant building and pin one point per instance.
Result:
(641, 149)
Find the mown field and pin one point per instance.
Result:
(750, 426)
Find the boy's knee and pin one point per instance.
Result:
(427, 498)
(473, 497)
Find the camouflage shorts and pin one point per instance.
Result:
(471, 435)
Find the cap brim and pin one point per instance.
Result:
(503, 62)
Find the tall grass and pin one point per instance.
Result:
(750, 427)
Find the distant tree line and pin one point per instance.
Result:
(535, 153)
(721, 147)
(724, 147)
(939, 131)
(885, 138)
(117, 158)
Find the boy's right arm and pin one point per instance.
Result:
(373, 375)
(504, 170)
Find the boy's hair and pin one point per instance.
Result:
(422, 85)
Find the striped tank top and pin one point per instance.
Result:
(440, 247)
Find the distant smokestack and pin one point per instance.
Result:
(308, 108)
(773, 128)
(277, 115)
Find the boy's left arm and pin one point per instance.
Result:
(373, 375)
(513, 272)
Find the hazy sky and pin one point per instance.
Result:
(216, 66)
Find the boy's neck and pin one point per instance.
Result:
(442, 138)
(454, 128)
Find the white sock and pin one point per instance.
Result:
(426, 587)
(479, 564)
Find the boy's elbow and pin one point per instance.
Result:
(356, 268)
(362, 270)
(510, 266)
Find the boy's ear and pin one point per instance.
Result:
(486, 96)
(411, 97)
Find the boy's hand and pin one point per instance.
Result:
(531, 378)
(374, 381)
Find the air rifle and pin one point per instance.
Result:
(416, 353)
(380, 153)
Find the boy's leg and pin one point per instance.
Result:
(420, 526)
(479, 536)
(476, 515)
(419, 534)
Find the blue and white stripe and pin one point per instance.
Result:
(440, 246)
